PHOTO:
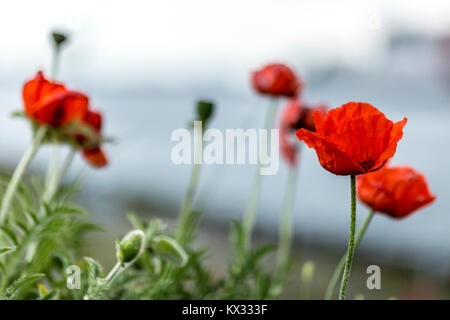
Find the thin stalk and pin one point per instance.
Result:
(58, 176)
(351, 241)
(53, 164)
(55, 62)
(250, 213)
(184, 216)
(20, 171)
(340, 266)
(285, 234)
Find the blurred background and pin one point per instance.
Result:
(145, 63)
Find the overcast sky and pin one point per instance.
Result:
(178, 38)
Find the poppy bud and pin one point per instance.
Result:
(130, 246)
(169, 249)
(59, 38)
(205, 110)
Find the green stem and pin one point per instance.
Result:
(54, 183)
(185, 211)
(20, 171)
(105, 283)
(250, 213)
(285, 234)
(55, 62)
(351, 241)
(340, 266)
(51, 174)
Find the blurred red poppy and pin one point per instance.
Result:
(95, 157)
(395, 191)
(88, 135)
(276, 80)
(294, 116)
(93, 119)
(50, 103)
(92, 152)
(353, 139)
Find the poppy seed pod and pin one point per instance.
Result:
(205, 110)
(59, 38)
(130, 246)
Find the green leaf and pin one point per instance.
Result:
(9, 234)
(65, 209)
(20, 284)
(95, 270)
(7, 250)
(135, 221)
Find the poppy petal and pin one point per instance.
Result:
(330, 156)
(395, 135)
(61, 108)
(95, 157)
(35, 89)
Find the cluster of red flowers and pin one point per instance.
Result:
(48, 103)
(354, 139)
(278, 80)
(358, 139)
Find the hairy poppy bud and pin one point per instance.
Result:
(170, 250)
(59, 38)
(130, 246)
(205, 110)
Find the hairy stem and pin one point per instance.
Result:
(250, 213)
(57, 177)
(105, 283)
(20, 171)
(185, 211)
(351, 241)
(285, 234)
(340, 266)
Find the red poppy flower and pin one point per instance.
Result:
(294, 116)
(395, 191)
(276, 80)
(353, 139)
(51, 103)
(89, 134)
(93, 119)
(95, 157)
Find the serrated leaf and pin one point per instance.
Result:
(31, 216)
(7, 250)
(14, 290)
(20, 226)
(135, 221)
(9, 234)
(95, 270)
(65, 209)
